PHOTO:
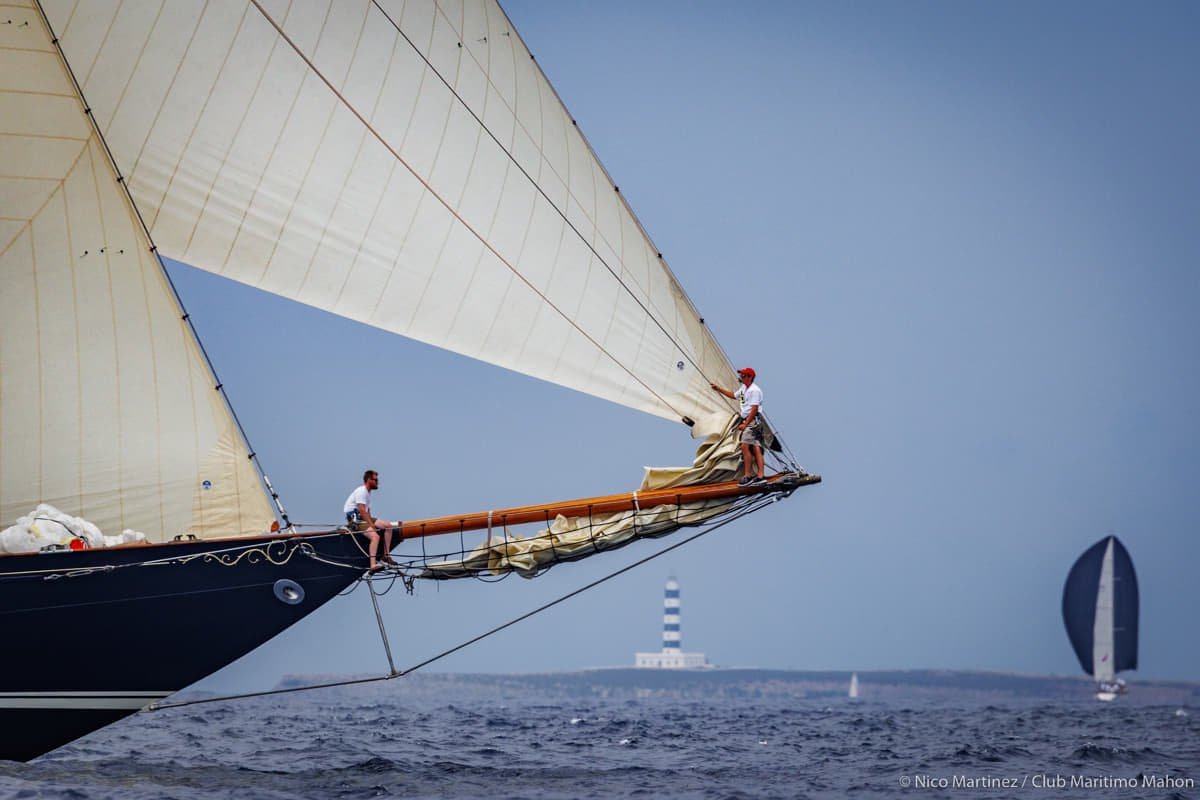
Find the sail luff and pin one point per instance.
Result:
(684, 309)
(1102, 632)
(405, 169)
(1125, 609)
(451, 210)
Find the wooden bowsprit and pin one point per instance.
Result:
(576, 529)
(609, 504)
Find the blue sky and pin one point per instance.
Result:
(959, 244)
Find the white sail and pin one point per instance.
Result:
(107, 409)
(1102, 632)
(405, 164)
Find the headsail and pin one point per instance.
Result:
(1100, 610)
(107, 407)
(405, 164)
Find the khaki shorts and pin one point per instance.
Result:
(355, 523)
(753, 433)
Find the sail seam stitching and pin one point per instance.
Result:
(136, 212)
(562, 214)
(353, 110)
(641, 228)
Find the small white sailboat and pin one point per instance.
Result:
(1100, 612)
(853, 692)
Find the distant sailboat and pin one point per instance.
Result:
(1100, 611)
(407, 165)
(853, 693)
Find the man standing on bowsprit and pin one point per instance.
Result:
(750, 399)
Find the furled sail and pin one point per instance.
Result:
(405, 164)
(576, 535)
(107, 408)
(1100, 610)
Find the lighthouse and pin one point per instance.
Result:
(671, 656)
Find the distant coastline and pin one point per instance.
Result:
(765, 684)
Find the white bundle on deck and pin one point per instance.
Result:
(49, 526)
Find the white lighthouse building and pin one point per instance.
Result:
(671, 656)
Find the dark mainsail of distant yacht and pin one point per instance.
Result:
(1100, 610)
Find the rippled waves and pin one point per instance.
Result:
(329, 745)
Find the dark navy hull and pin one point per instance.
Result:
(92, 636)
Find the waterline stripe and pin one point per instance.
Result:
(91, 701)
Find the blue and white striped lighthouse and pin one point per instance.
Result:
(672, 655)
(671, 617)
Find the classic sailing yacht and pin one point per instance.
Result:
(1100, 611)
(324, 151)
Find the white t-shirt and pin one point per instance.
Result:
(748, 396)
(359, 495)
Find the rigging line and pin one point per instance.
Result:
(482, 240)
(537, 187)
(675, 284)
(387, 648)
(162, 268)
(764, 501)
(786, 459)
(707, 513)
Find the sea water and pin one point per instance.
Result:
(348, 744)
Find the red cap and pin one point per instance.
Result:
(747, 371)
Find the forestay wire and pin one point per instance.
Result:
(758, 503)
